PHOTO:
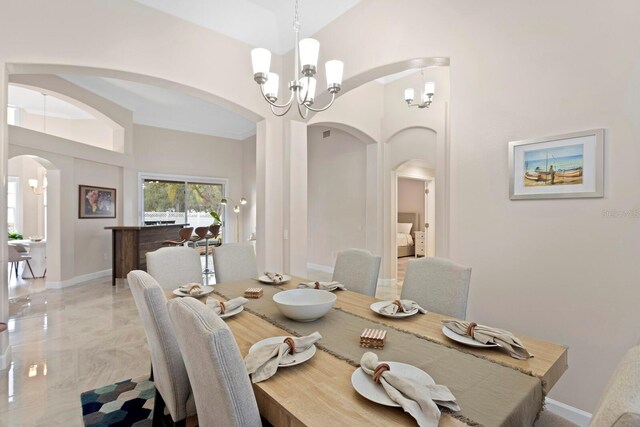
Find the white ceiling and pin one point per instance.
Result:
(33, 102)
(168, 108)
(261, 23)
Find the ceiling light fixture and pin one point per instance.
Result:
(303, 89)
(427, 94)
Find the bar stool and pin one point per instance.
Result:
(185, 237)
(203, 233)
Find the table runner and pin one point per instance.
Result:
(488, 393)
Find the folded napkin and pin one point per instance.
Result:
(274, 277)
(224, 307)
(401, 306)
(487, 335)
(191, 289)
(325, 286)
(420, 399)
(263, 362)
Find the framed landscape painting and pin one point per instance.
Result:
(96, 202)
(563, 166)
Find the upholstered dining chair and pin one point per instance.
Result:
(219, 379)
(174, 266)
(358, 270)
(173, 389)
(17, 254)
(234, 261)
(619, 405)
(438, 285)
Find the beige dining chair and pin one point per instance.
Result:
(619, 405)
(358, 270)
(234, 261)
(221, 386)
(17, 254)
(174, 266)
(438, 285)
(173, 389)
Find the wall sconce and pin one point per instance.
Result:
(236, 209)
(36, 188)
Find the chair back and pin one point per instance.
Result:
(185, 233)
(174, 266)
(202, 232)
(15, 255)
(357, 269)
(219, 379)
(169, 374)
(438, 285)
(620, 403)
(234, 261)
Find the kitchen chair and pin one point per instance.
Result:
(204, 233)
(438, 285)
(221, 386)
(619, 406)
(175, 266)
(234, 261)
(173, 390)
(184, 237)
(357, 269)
(17, 254)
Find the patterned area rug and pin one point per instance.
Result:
(125, 403)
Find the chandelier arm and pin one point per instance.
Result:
(283, 113)
(305, 114)
(273, 104)
(317, 110)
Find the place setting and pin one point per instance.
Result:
(195, 290)
(481, 336)
(324, 286)
(397, 309)
(226, 309)
(266, 356)
(274, 278)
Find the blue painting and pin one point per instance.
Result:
(554, 166)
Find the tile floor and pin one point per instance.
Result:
(68, 341)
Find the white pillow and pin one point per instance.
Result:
(404, 227)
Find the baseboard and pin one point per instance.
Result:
(78, 279)
(5, 358)
(327, 269)
(572, 414)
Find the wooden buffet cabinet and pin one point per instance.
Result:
(131, 244)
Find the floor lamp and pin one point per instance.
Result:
(236, 209)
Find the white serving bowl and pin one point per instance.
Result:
(304, 305)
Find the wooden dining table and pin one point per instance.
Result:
(319, 391)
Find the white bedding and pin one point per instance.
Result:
(404, 239)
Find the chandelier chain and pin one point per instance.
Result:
(296, 20)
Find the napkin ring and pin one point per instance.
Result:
(292, 346)
(379, 370)
(222, 308)
(399, 304)
(317, 285)
(470, 328)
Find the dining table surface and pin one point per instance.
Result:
(319, 392)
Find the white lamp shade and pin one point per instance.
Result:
(429, 88)
(308, 92)
(309, 50)
(271, 85)
(334, 69)
(33, 183)
(409, 94)
(260, 60)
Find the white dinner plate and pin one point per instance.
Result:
(377, 306)
(265, 279)
(289, 359)
(232, 312)
(369, 389)
(206, 290)
(463, 339)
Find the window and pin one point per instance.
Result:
(168, 201)
(14, 222)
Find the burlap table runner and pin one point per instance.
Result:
(489, 394)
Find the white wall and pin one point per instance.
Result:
(337, 194)
(411, 198)
(88, 131)
(30, 204)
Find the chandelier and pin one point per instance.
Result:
(427, 94)
(303, 89)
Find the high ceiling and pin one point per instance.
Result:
(262, 23)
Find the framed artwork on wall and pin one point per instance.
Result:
(96, 202)
(557, 167)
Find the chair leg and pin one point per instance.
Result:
(151, 372)
(158, 411)
(29, 265)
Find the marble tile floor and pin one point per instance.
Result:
(65, 342)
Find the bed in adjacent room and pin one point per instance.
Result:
(408, 223)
